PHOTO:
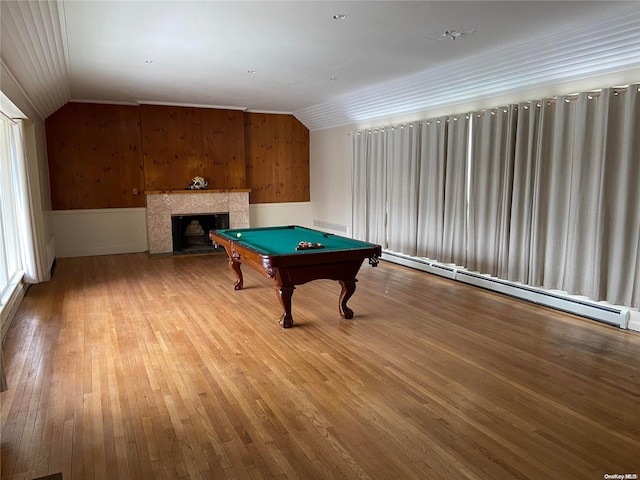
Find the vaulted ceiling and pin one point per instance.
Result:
(375, 59)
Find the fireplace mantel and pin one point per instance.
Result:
(198, 192)
(161, 205)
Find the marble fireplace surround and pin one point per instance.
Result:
(162, 205)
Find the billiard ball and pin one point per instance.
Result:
(238, 235)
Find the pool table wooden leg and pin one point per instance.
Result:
(348, 288)
(235, 268)
(284, 295)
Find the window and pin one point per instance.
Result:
(11, 269)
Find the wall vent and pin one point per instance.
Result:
(331, 226)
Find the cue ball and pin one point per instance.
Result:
(238, 235)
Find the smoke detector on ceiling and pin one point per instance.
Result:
(451, 34)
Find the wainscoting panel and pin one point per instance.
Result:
(81, 233)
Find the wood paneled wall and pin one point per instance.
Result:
(277, 148)
(95, 157)
(182, 142)
(100, 154)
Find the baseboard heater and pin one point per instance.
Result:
(610, 314)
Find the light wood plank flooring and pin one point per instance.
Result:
(127, 367)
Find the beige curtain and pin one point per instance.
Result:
(28, 204)
(369, 160)
(576, 199)
(403, 166)
(433, 160)
(490, 190)
(545, 193)
(615, 271)
(454, 235)
(526, 159)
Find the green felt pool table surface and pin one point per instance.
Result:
(284, 240)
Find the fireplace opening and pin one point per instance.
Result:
(191, 232)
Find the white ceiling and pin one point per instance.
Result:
(377, 62)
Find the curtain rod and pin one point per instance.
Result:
(567, 98)
(8, 117)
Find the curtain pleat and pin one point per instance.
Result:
(491, 187)
(30, 216)
(433, 156)
(454, 236)
(585, 219)
(553, 193)
(359, 164)
(370, 187)
(615, 221)
(377, 183)
(522, 198)
(403, 180)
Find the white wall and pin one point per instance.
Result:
(273, 214)
(330, 171)
(81, 233)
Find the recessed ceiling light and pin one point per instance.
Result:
(149, 61)
(339, 16)
(333, 78)
(251, 72)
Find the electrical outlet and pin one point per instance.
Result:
(135, 191)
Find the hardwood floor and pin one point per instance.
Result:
(125, 367)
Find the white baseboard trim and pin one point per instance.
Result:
(619, 316)
(634, 320)
(9, 309)
(104, 250)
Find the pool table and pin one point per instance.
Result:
(293, 255)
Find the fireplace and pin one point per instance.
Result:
(191, 232)
(163, 206)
